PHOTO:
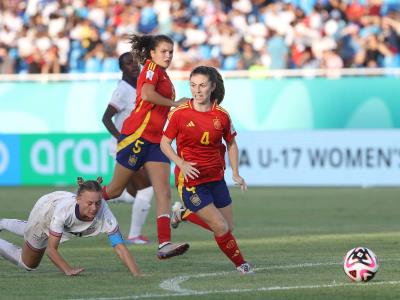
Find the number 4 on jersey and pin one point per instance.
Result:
(205, 139)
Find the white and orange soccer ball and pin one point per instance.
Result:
(360, 264)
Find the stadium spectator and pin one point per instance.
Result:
(199, 127)
(58, 217)
(214, 30)
(139, 191)
(139, 143)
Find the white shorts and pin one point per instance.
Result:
(37, 229)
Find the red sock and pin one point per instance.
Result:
(195, 219)
(228, 245)
(105, 195)
(163, 229)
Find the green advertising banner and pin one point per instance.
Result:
(254, 104)
(60, 158)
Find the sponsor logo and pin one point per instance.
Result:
(190, 124)
(86, 156)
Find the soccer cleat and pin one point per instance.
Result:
(170, 250)
(138, 240)
(245, 269)
(177, 210)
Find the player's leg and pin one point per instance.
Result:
(159, 174)
(223, 236)
(214, 219)
(31, 257)
(13, 225)
(128, 194)
(201, 200)
(140, 207)
(27, 258)
(181, 213)
(118, 182)
(223, 202)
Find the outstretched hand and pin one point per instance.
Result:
(240, 181)
(74, 272)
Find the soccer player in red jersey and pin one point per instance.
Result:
(139, 143)
(199, 127)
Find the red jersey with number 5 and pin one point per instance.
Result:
(199, 138)
(147, 120)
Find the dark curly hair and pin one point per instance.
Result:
(142, 44)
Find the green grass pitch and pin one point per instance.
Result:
(294, 237)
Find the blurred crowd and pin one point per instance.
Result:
(59, 36)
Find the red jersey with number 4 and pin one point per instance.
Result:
(147, 120)
(199, 138)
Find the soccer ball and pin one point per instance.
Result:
(360, 264)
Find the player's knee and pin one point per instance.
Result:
(31, 267)
(164, 194)
(220, 227)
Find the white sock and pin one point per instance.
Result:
(140, 210)
(10, 251)
(14, 226)
(127, 197)
(124, 197)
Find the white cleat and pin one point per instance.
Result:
(177, 210)
(245, 269)
(171, 250)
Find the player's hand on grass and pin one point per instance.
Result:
(188, 170)
(240, 181)
(74, 272)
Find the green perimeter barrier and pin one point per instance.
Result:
(54, 159)
(59, 158)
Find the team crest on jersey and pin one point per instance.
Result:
(149, 74)
(132, 160)
(195, 199)
(217, 124)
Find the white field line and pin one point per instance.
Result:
(173, 284)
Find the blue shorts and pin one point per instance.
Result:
(197, 197)
(137, 153)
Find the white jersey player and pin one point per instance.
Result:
(59, 216)
(120, 106)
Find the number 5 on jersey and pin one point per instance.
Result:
(138, 147)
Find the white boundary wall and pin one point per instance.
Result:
(320, 158)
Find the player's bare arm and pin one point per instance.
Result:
(57, 259)
(149, 94)
(127, 258)
(233, 154)
(110, 112)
